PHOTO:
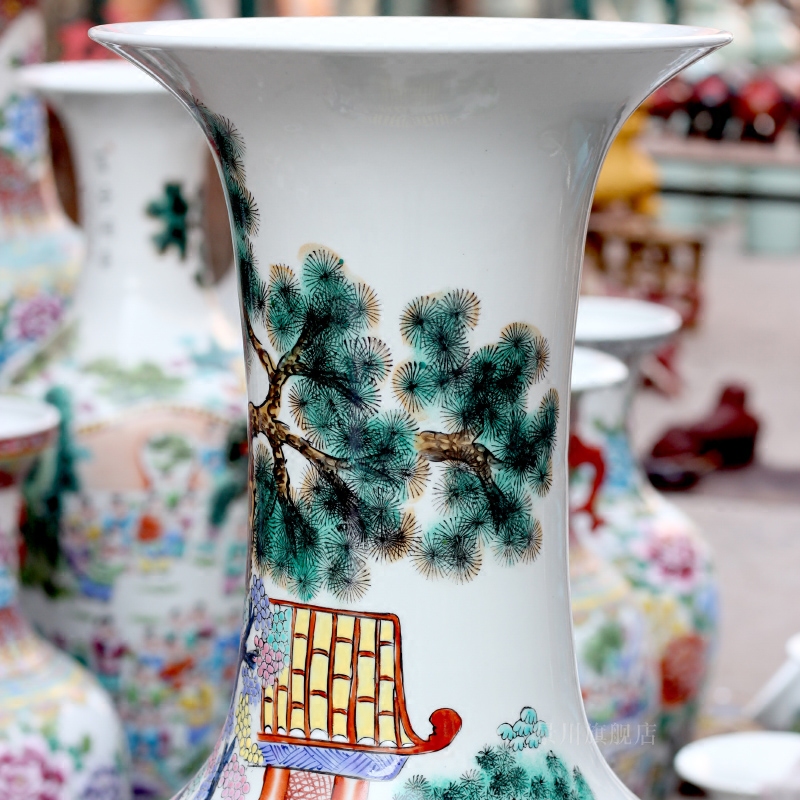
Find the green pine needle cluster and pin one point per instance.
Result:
(504, 453)
(503, 774)
(363, 464)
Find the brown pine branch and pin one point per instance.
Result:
(457, 447)
(263, 356)
(305, 448)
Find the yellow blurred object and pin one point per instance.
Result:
(629, 176)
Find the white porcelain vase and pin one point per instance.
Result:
(60, 738)
(617, 669)
(40, 250)
(136, 532)
(655, 545)
(409, 199)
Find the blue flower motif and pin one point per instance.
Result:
(24, 119)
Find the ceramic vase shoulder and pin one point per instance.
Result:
(136, 532)
(40, 250)
(655, 545)
(60, 737)
(408, 199)
(617, 669)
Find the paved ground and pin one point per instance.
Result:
(750, 333)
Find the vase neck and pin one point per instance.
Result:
(140, 165)
(27, 191)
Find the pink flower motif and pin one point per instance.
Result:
(673, 560)
(38, 317)
(31, 773)
(234, 780)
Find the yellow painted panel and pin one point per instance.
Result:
(339, 725)
(387, 631)
(386, 696)
(298, 689)
(343, 658)
(323, 631)
(365, 721)
(387, 661)
(340, 694)
(301, 620)
(365, 682)
(318, 674)
(298, 719)
(368, 631)
(299, 653)
(386, 730)
(344, 626)
(282, 710)
(318, 716)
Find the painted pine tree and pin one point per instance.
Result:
(319, 526)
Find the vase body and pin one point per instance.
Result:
(40, 250)
(60, 737)
(654, 544)
(136, 534)
(408, 287)
(618, 674)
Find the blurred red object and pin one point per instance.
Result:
(76, 44)
(710, 107)
(763, 109)
(671, 97)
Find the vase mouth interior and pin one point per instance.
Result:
(593, 369)
(744, 764)
(407, 35)
(112, 76)
(622, 319)
(21, 417)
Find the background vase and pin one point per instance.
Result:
(409, 199)
(655, 545)
(136, 527)
(618, 673)
(40, 250)
(60, 737)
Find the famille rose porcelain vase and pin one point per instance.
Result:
(137, 523)
(618, 674)
(653, 543)
(60, 738)
(408, 200)
(40, 250)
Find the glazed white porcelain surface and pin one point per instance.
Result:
(399, 167)
(777, 704)
(40, 250)
(655, 545)
(739, 765)
(152, 530)
(60, 737)
(593, 369)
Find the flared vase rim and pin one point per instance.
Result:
(422, 35)
(623, 320)
(22, 418)
(100, 76)
(593, 369)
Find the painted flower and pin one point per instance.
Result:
(32, 773)
(672, 560)
(234, 780)
(683, 669)
(105, 783)
(25, 126)
(37, 317)
(259, 603)
(251, 688)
